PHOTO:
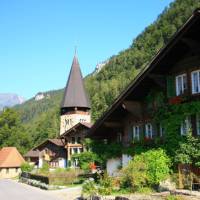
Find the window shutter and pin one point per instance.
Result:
(171, 91)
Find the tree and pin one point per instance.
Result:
(12, 133)
(146, 169)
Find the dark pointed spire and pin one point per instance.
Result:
(75, 94)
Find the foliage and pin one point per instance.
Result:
(64, 176)
(105, 151)
(146, 169)
(12, 133)
(174, 197)
(98, 152)
(85, 158)
(105, 185)
(189, 151)
(171, 117)
(26, 167)
(45, 169)
(89, 187)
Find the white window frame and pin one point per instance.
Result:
(185, 126)
(198, 124)
(181, 76)
(119, 137)
(149, 130)
(162, 130)
(136, 132)
(198, 81)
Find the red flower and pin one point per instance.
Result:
(92, 166)
(147, 139)
(175, 100)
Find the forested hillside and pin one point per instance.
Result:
(41, 119)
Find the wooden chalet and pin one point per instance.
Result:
(51, 151)
(174, 71)
(73, 140)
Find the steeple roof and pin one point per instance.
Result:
(75, 94)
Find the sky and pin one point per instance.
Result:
(38, 38)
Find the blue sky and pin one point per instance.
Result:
(37, 38)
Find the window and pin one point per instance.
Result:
(79, 140)
(162, 130)
(148, 130)
(82, 120)
(73, 140)
(119, 137)
(16, 170)
(7, 170)
(136, 132)
(181, 84)
(185, 126)
(195, 82)
(75, 150)
(198, 123)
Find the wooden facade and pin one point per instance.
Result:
(174, 71)
(73, 140)
(51, 151)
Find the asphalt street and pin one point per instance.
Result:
(12, 190)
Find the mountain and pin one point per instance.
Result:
(41, 118)
(9, 100)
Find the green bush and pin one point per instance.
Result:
(105, 185)
(85, 158)
(173, 197)
(64, 176)
(89, 187)
(45, 169)
(26, 167)
(146, 170)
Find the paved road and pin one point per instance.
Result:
(12, 190)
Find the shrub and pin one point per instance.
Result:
(45, 169)
(105, 185)
(85, 159)
(26, 167)
(64, 176)
(146, 169)
(89, 187)
(173, 197)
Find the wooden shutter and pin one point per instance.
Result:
(171, 89)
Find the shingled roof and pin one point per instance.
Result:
(10, 157)
(75, 94)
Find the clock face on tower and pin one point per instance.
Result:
(68, 121)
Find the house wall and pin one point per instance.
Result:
(67, 121)
(70, 146)
(9, 172)
(113, 165)
(51, 154)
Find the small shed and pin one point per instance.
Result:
(10, 162)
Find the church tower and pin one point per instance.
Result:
(75, 106)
